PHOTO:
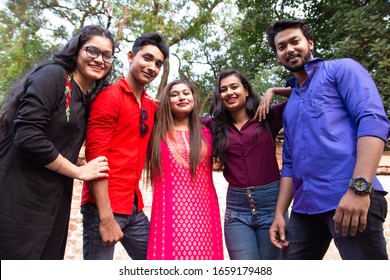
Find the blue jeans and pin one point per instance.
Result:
(135, 228)
(248, 217)
(309, 236)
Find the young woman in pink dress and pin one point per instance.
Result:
(185, 219)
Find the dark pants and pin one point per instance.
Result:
(309, 236)
(135, 229)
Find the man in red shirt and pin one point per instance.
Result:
(119, 127)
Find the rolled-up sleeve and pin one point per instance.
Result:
(44, 89)
(358, 90)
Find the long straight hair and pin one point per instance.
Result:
(162, 129)
(222, 116)
(66, 58)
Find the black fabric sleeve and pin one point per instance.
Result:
(44, 90)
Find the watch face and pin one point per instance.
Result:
(360, 184)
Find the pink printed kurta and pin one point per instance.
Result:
(185, 219)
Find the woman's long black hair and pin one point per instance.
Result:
(66, 58)
(164, 125)
(222, 117)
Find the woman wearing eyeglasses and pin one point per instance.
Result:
(185, 220)
(42, 128)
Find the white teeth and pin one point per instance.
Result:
(293, 57)
(96, 67)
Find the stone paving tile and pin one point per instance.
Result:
(74, 246)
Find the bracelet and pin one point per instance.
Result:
(62, 162)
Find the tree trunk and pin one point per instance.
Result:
(164, 78)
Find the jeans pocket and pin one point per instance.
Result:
(384, 206)
(378, 207)
(228, 219)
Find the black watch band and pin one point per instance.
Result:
(360, 185)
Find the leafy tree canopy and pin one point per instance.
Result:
(206, 36)
(343, 28)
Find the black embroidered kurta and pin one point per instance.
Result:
(35, 201)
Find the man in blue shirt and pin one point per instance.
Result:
(335, 129)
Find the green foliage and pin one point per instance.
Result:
(21, 46)
(358, 29)
(365, 38)
(206, 36)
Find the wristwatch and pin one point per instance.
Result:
(360, 185)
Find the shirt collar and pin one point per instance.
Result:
(313, 64)
(126, 87)
(310, 66)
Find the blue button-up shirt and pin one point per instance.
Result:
(338, 103)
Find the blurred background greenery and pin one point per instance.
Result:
(205, 36)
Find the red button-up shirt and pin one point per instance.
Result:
(114, 131)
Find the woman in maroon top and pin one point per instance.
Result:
(244, 148)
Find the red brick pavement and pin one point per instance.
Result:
(74, 246)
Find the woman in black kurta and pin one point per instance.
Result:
(41, 134)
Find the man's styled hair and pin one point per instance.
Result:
(154, 39)
(283, 24)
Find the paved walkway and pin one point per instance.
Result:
(74, 246)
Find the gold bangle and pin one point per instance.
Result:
(62, 162)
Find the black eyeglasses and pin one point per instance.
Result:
(95, 53)
(144, 128)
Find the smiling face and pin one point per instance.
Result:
(293, 49)
(146, 64)
(90, 69)
(181, 100)
(233, 94)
